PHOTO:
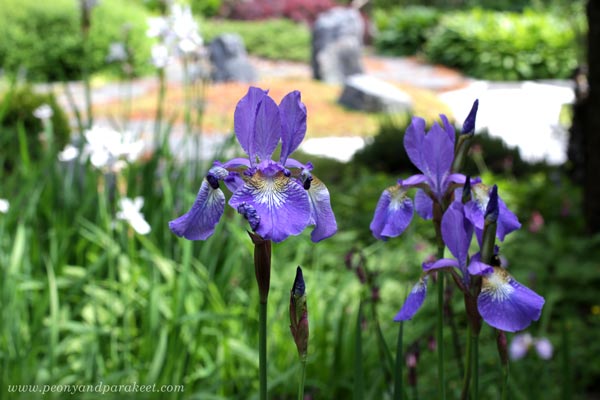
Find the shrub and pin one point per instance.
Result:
(504, 46)
(44, 37)
(17, 113)
(275, 39)
(402, 31)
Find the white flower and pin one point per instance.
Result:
(69, 153)
(106, 147)
(130, 212)
(160, 56)
(43, 112)
(157, 27)
(522, 342)
(4, 206)
(116, 52)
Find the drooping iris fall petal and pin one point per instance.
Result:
(393, 213)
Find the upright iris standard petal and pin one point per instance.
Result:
(507, 305)
(293, 124)
(393, 213)
(448, 128)
(244, 120)
(267, 129)
(438, 158)
(413, 142)
(456, 233)
(413, 302)
(280, 202)
(199, 222)
(321, 214)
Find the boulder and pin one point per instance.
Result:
(371, 94)
(337, 37)
(229, 59)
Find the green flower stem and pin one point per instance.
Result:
(358, 356)
(262, 270)
(398, 383)
(475, 366)
(160, 108)
(440, 327)
(468, 358)
(302, 377)
(262, 349)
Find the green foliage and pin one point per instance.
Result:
(206, 8)
(17, 122)
(504, 46)
(276, 39)
(403, 31)
(45, 40)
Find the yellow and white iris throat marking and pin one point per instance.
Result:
(497, 285)
(397, 196)
(269, 190)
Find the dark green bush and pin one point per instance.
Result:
(277, 39)
(386, 153)
(44, 38)
(402, 31)
(504, 46)
(17, 114)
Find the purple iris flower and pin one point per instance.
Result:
(503, 303)
(278, 198)
(432, 153)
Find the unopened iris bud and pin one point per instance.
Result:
(469, 124)
(299, 314)
(492, 210)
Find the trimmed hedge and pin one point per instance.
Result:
(403, 31)
(277, 39)
(504, 46)
(484, 44)
(44, 39)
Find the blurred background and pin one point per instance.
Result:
(112, 111)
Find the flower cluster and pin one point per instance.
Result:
(521, 344)
(177, 33)
(460, 207)
(277, 198)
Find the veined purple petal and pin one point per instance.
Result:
(441, 263)
(476, 267)
(448, 128)
(455, 232)
(413, 302)
(321, 214)
(267, 129)
(507, 221)
(423, 204)
(293, 123)
(281, 203)
(393, 213)
(244, 119)
(507, 305)
(413, 180)
(438, 156)
(199, 222)
(413, 142)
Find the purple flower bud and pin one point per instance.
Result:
(299, 314)
(466, 192)
(492, 210)
(299, 287)
(469, 124)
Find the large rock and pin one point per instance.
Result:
(230, 60)
(368, 93)
(337, 37)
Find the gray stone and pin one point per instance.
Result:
(337, 37)
(229, 59)
(368, 93)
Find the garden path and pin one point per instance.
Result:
(524, 114)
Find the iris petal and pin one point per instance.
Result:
(455, 232)
(413, 142)
(281, 203)
(321, 213)
(423, 204)
(244, 119)
(293, 123)
(413, 302)
(507, 305)
(199, 222)
(438, 156)
(393, 213)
